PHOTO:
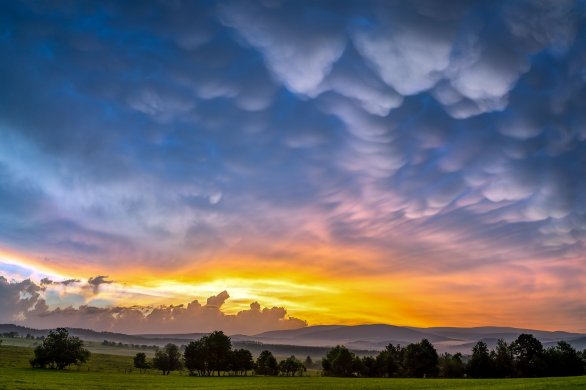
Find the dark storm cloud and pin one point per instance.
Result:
(145, 131)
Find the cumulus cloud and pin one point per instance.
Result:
(23, 303)
(17, 298)
(218, 300)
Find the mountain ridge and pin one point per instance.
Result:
(363, 337)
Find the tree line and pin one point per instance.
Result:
(108, 343)
(210, 355)
(213, 355)
(14, 335)
(524, 357)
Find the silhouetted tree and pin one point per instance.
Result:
(525, 357)
(503, 361)
(563, 360)
(451, 366)
(241, 361)
(421, 360)
(195, 358)
(357, 366)
(140, 361)
(339, 361)
(217, 347)
(168, 359)
(266, 364)
(59, 350)
(480, 364)
(308, 362)
(390, 361)
(528, 354)
(213, 353)
(368, 367)
(291, 366)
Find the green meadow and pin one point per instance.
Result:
(104, 371)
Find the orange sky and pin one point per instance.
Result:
(336, 296)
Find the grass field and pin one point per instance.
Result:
(111, 372)
(24, 378)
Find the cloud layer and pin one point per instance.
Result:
(339, 138)
(24, 302)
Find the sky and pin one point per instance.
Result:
(184, 166)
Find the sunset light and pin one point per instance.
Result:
(250, 166)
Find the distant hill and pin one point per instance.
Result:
(183, 336)
(315, 340)
(505, 333)
(92, 335)
(374, 334)
(445, 339)
(578, 343)
(239, 341)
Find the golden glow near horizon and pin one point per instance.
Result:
(397, 299)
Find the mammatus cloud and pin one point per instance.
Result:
(300, 57)
(425, 137)
(23, 303)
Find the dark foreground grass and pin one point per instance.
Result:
(111, 372)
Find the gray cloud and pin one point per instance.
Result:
(47, 282)
(97, 281)
(17, 298)
(218, 300)
(22, 303)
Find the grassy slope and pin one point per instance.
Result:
(93, 346)
(18, 357)
(108, 372)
